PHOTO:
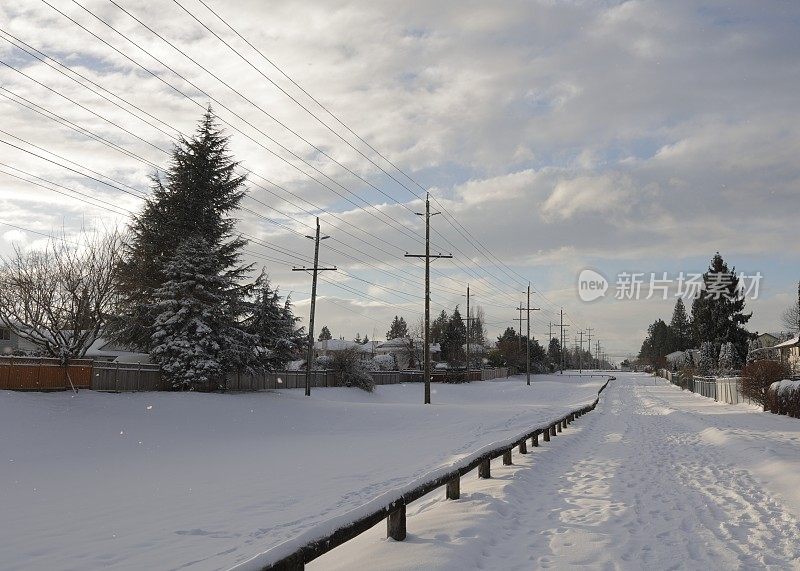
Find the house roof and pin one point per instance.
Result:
(793, 342)
(340, 345)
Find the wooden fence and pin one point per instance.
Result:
(43, 374)
(25, 373)
(292, 555)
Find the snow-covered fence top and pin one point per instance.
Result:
(295, 553)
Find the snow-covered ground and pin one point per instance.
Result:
(204, 481)
(654, 478)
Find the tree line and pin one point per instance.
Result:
(172, 285)
(715, 326)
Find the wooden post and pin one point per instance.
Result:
(546, 435)
(558, 426)
(396, 523)
(552, 430)
(523, 446)
(507, 458)
(535, 439)
(454, 488)
(485, 469)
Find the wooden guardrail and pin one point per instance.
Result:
(292, 555)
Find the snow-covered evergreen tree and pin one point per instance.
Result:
(398, 329)
(707, 359)
(273, 324)
(688, 360)
(325, 334)
(727, 358)
(193, 199)
(195, 338)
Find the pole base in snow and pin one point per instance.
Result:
(485, 469)
(523, 447)
(454, 489)
(535, 440)
(396, 524)
(507, 458)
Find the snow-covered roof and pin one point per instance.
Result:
(794, 341)
(396, 342)
(675, 355)
(340, 345)
(102, 347)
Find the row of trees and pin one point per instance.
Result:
(716, 325)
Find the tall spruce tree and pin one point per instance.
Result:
(190, 206)
(718, 312)
(325, 334)
(398, 329)
(456, 338)
(680, 328)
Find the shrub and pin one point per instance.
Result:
(757, 378)
(783, 397)
(686, 374)
(351, 371)
(383, 363)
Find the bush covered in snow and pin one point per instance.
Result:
(383, 363)
(783, 397)
(323, 362)
(350, 370)
(757, 377)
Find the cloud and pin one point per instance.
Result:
(558, 134)
(589, 194)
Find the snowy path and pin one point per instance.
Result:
(655, 478)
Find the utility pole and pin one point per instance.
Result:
(427, 255)
(316, 237)
(468, 319)
(561, 372)
(589, 345)
(597, 352)
(527, 309)
(580, 357)
(520, 319)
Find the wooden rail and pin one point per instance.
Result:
(288, 556)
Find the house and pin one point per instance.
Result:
(790, 354)
(763, 347)
(764, 341)
(104, 350)
(675, 360)
(403, 348)
(327, 347)
(11, 343)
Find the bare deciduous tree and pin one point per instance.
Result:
(59, 298)
(791, 315)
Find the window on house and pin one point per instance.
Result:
(5, 334)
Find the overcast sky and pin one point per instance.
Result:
(620, 136)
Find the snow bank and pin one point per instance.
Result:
(165, 480)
